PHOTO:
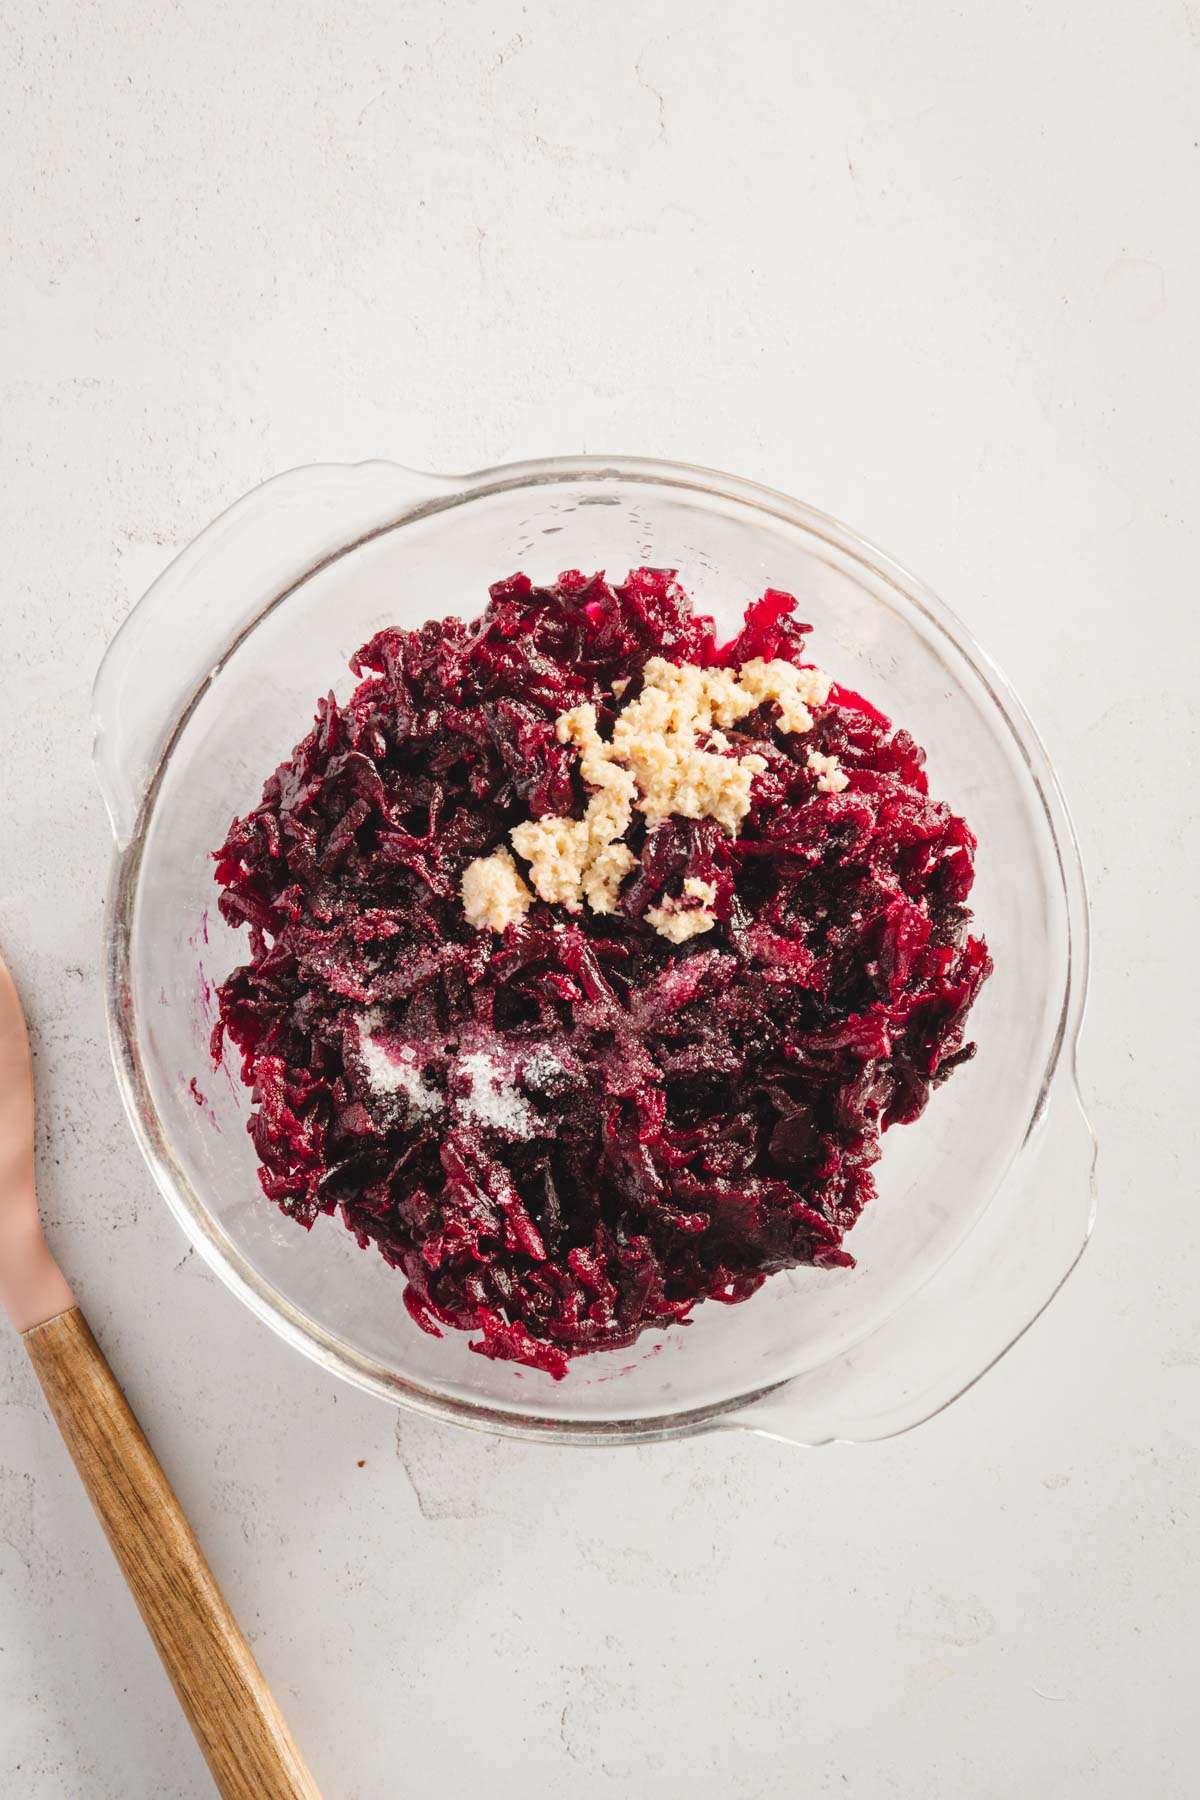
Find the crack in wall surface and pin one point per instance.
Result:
(655, 93)
(435, 1501)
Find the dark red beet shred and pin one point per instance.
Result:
(672, 1123)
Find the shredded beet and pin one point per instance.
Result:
(573, 1130)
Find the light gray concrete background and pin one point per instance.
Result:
(932, 267)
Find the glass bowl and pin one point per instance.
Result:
(984, 1204)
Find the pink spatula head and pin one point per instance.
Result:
(32, 1287)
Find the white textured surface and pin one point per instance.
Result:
(936, 269)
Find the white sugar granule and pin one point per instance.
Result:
(541, 1066)
(392, 1072)
(492, 1100)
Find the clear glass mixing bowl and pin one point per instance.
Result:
(985, 1203)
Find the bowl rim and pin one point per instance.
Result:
(437, 493)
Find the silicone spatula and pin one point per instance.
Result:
(220, 1686)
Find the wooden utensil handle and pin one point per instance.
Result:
(220, 1686)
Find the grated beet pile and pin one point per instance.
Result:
(570, 1132)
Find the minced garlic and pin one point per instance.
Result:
(676, 920)
(668, 757)
(831, 777)
(493, 892)
(603, 877)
